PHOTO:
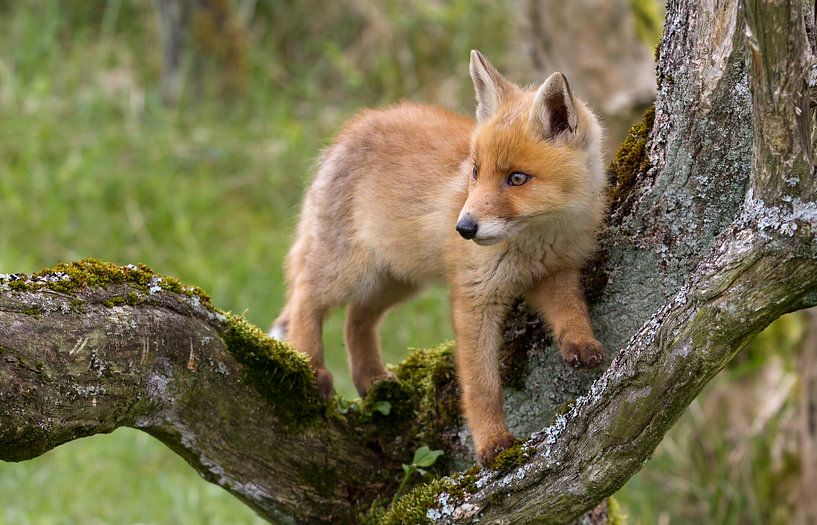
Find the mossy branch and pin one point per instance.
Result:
(88, 347)
(239, 407)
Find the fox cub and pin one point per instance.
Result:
(502, 208)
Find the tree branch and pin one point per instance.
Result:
(73, 365)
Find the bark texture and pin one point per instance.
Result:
(711, 237)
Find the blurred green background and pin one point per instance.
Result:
(198, 172)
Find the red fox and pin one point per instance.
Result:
(502, 208)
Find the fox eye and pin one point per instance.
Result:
(474, 172)
(517, 178)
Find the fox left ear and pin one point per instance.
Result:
(490, 86)
(554, 109)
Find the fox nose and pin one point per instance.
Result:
(467, 227)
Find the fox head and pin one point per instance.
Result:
(535, 156)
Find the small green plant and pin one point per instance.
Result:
(346, 406)
(424, 457)
(384, 407)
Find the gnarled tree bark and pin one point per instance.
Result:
(710, 239)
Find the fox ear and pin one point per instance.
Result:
(491, 87)
(554, 109)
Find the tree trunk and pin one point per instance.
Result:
(807, 360)
(201, 32)
(710, 238)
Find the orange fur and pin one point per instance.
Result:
(378, 223)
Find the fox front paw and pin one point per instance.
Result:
(488, 451)
(587, 353)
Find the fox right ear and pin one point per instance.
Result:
(490, 86)
(554, 109)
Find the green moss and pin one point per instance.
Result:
(430, 377)
(495, 499)
(423, 403)
(397, 393)
(32, 310)
(466, 482)
(77, 305)
(514, 457)
(615, 515)
(631, 159)
(412, 508)
(423, 400)
(114, 301)
(85, 273)
(71, 277)
(131, 299)
(282, 375)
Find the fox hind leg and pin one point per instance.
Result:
(301, 324)
(360, 333)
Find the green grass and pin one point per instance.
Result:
(123, 477)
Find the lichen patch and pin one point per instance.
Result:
(69, 278)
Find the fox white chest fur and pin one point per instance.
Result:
(504, 207)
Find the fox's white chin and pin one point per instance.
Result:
(488, 241)
(495, 231)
